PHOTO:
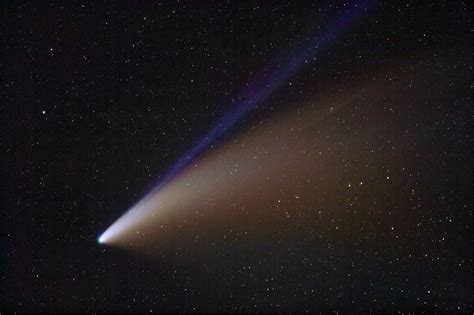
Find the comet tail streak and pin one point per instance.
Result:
(267, 82)
(286, 163)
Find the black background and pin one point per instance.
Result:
(100, 98)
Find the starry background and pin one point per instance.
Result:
(99, 99)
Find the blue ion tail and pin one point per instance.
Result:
(270, 79)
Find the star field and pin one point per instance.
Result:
(349, 188)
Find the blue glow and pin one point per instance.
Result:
(267, 82)
(270, 79)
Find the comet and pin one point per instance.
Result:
(170, 192)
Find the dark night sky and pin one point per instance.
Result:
(99, 99)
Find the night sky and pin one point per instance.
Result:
(337, 177)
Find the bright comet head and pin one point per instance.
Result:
(100, 240)
(126, 224)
